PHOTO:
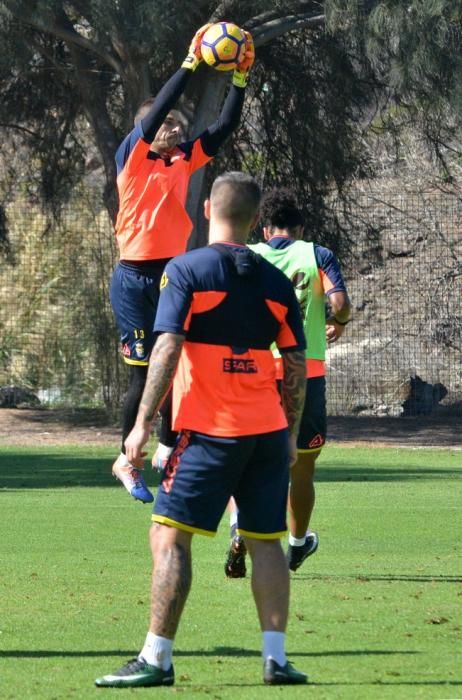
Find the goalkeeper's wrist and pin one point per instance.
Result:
(240, 78)
(190, 62)
(333, 319)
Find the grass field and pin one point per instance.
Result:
(376, 613)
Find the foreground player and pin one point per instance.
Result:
(316, 276)
(221, 307)
(154, 165)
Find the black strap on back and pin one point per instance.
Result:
(244, 261)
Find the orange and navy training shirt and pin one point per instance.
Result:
(231, 305)
(152, 222)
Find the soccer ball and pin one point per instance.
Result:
(223, 46)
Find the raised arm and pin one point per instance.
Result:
(217, 133)
(164, 101)
(173, 88)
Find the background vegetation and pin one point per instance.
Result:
(327, 75)
(346, 99)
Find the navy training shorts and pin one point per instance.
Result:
(203, 472)
(134, 298)
(313, 426)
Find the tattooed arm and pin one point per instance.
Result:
(293, 395)
(162, 366)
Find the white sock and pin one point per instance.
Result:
(273, 647)
(233, 519)
(125, 476)
(163, 451)
(157, 651)
(296, 541)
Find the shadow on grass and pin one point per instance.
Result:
(351, 472)
(216, 651)
(365, 578)
(63, 468)
(379, 683)
(43, 469)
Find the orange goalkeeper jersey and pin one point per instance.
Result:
(152, 222)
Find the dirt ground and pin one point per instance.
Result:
(39, 427)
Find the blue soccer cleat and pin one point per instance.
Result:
(132, 478)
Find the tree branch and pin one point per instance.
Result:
(274, 28)
(270, 24)
(71, 36)
(304, 6)
(23, 129)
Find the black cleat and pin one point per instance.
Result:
(297, 555)
(137, 673)
(235, 560)
(273, 674)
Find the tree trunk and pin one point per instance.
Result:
(214, 89)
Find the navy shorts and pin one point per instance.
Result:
(134, 298)
(313, 426)
(203, 472)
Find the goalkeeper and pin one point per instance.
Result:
(154, 164)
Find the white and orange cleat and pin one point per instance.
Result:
(132, 478)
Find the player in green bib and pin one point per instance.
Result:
(317, 279)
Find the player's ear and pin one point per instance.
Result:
(207, 209)
(266, 233)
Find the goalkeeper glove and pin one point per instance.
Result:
(194, 56)
(241, 72)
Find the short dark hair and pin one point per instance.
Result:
(236, 197)
(143, 108)
(280, 209)
(183, 109)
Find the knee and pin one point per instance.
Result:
(305, 466)
(263, 548)
(156, 539)
(165, 541)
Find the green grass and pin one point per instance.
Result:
(376, 613)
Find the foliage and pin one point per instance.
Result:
(341, 91)
(74, 73)
(291, 129)
(414, 52)
(59, 334)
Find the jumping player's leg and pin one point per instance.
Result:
(166, 436)
(134, 296)
(137, 381)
